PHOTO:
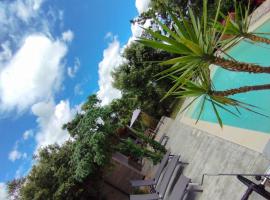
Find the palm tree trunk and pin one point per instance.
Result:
(239, 66)
(256, 38)
(244, 89)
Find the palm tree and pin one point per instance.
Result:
(219, 99)
(243, 89)
(197, 42)
(238, 25)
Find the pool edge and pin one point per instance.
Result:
(254, 140)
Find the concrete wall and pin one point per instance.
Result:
(117, 185)
(111, 193)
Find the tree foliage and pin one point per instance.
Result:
(137, 79)
(14, 188)
(158, 8)
(76, 169)
(123, 107)
(53, 177)
(93, 130)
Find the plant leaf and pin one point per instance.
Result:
(217, 114)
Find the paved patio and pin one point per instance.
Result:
(207, 153)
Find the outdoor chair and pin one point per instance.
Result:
(182, 187)
(163, 140)
(161, 187)
(253, 187)
(151, 182)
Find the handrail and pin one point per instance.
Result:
(233, 174)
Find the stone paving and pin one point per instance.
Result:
(210, 154)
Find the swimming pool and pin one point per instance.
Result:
(246, 52)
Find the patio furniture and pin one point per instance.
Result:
(150, 182)
(253, 187)
(182, 187)
(153, 132)
(161, 187)
(163, 140)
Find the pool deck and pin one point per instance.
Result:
(207, 153)
(254, 140)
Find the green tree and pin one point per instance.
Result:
(52, 177)
(74, 170)
(123, 107)
(94, 133)
(158, 9)
(152, 143)
(135, 151)
(14, 187)
(136, 79)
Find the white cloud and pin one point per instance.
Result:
(6, 52)
(109, 35)
(28, 134)
(100, 121)
(50, 118)
(33, 73)
(78, 89)
(18, 15)
(142, 5)
(23, 10)
(136, 30)
(37, 4)
(24, 155)
(20, 172)
(15, 155)
(71, 71)
(111, 59)
(68, 36)
(3, 192)
(61, 15)
(21, 18)
(26, 9)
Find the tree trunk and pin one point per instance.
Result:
(239, 66)
(244, 89)
(256, 38)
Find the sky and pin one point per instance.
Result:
(53, 54)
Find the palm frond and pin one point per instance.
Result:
(195, 40)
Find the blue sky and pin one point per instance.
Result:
(53, 54)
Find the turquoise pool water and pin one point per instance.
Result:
(223, 79)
